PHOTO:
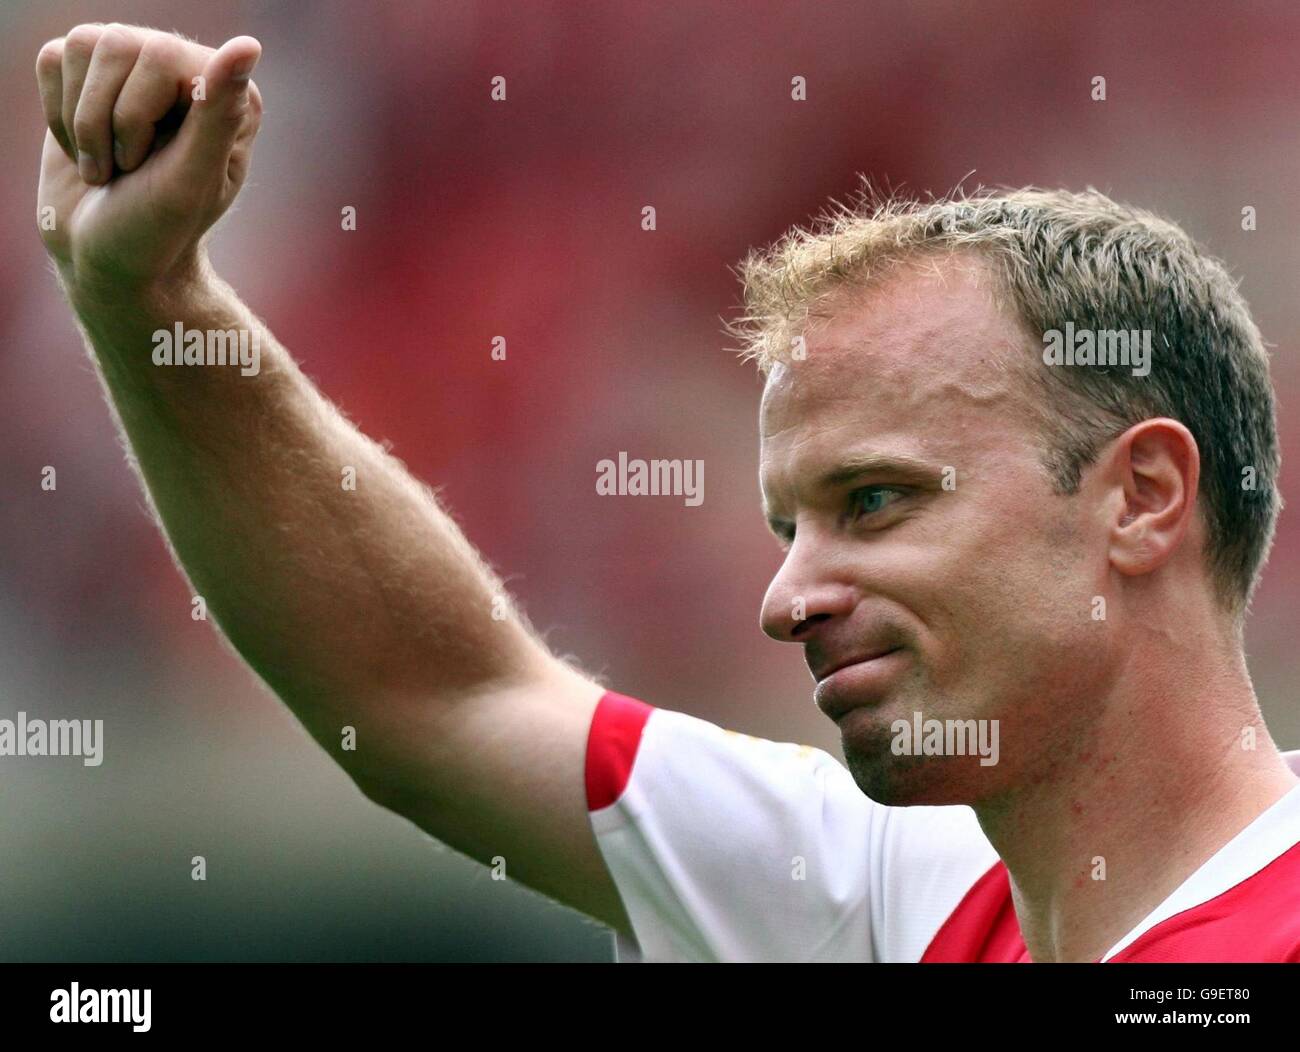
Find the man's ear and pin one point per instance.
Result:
(1157, 466)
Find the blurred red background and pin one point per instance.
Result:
(521, 219)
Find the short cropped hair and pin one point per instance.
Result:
(1061, 257)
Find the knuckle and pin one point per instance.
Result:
(115, 38)
(50, 57)
(81, 40)
(161, 49)
(83, 127)
(124, 121)
(227, 122)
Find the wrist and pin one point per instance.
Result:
(164, 295)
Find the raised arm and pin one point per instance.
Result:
(333, 572)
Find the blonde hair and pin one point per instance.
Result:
(1061, 257)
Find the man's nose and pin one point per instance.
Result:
(803, 595)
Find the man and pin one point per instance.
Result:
(1019, 576)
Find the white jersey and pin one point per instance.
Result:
(726, 847)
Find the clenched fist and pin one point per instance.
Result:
(150, 138)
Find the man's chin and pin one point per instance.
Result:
(889, 778)
(886, 778)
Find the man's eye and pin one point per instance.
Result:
(871, 499)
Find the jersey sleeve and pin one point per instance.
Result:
(727, 847)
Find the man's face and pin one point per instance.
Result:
(926, 553)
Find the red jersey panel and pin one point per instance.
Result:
(727, 847)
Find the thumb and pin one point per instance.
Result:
(209, 132)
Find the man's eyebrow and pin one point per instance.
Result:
(893, 466)
(898, 466)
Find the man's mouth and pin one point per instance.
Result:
(830, 668)
(857, 681)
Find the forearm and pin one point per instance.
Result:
(352, 602)
(332, 570)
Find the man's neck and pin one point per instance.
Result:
(1160, 786)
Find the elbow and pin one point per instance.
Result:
(384, 792)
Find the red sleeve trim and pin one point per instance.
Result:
(612, 745)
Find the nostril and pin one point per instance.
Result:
(802, 626)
